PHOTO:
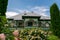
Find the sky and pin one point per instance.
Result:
(40, 7)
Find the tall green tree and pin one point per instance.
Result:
(55, 19)
(3, 8)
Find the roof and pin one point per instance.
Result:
(19, 16)
(45, 17)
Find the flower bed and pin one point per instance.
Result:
(30, 34)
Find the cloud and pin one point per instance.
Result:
(10, 13)
(22, 11)
(41, 10)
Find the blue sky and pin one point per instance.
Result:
(38, 6)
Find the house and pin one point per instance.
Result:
(29, 19)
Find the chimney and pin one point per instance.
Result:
(24, 12)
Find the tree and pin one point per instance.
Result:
(3, 7)
(55, 19)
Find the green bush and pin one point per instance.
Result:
(52, 37)
(3, 8)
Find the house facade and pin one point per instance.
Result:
(29, 19)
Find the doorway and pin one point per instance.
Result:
(30, 24)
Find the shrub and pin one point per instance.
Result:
(55, 19)
(52, 37)
(3, 7)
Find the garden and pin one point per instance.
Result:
(30, 33)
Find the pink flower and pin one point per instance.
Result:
(2, 36)
(16, 33)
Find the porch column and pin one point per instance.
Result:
(37, 23)
(24, 23)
